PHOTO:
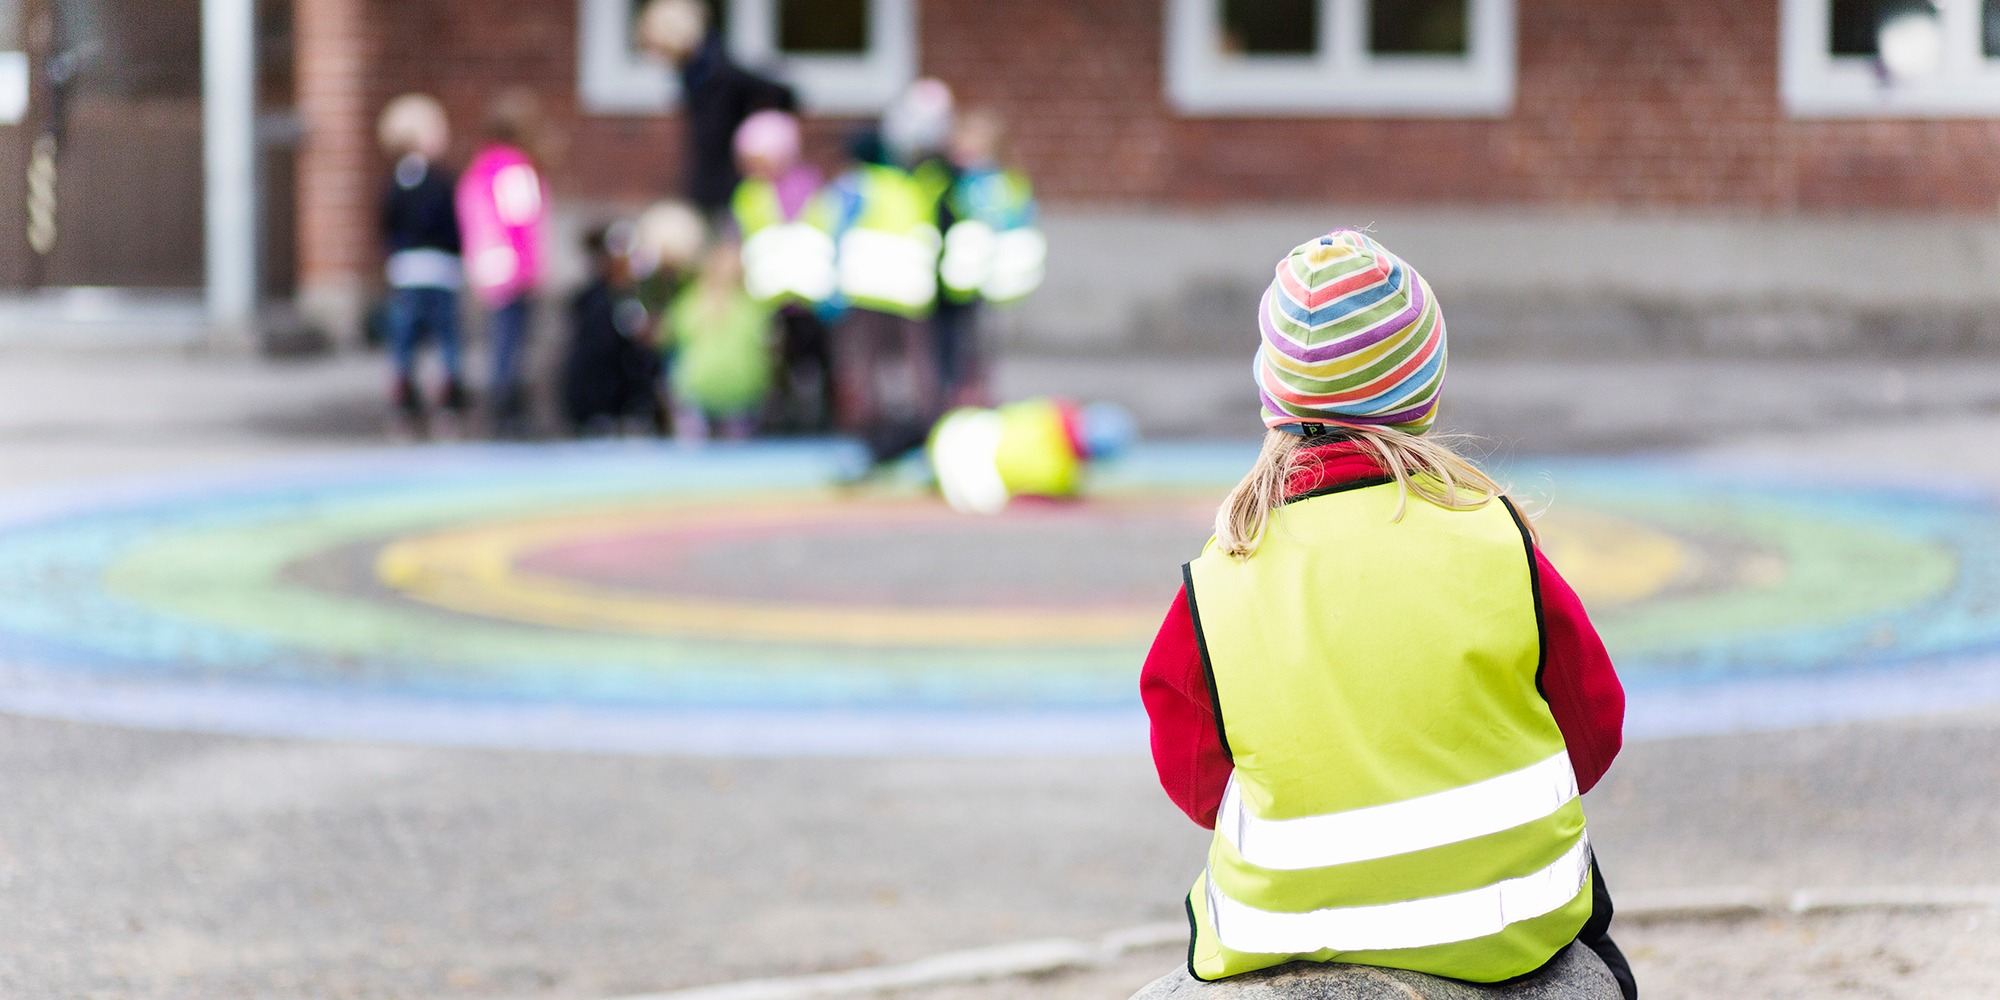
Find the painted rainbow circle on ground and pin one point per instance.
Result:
(640, 597)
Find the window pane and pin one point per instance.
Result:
(1857, 24)
(1990, 21)
(1270, 27)
(823, 27)
(1417, 27)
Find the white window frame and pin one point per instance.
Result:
(1342, 77)
(614, 79)
(1815, 83)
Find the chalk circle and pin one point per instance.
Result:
(644, 599)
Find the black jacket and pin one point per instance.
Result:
(423, 215)
(716, 95)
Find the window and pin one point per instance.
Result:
(1312, 57)
(1890, 58)
(1270, 27)
(823, 27)
(844, 56)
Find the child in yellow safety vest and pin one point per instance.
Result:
(886, 251)
(788, 264)
(1373, 686)
(993, 252)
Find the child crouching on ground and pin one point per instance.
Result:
(611, 367)
(721, 368)
(1373, 686)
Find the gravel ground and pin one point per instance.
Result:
(168, 866)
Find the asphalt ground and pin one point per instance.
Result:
(151, 864)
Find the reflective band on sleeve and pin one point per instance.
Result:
(1446, 817)
(1418, 923)
(1019, 258)
(968, 255)
(789, 258)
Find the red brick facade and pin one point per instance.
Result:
(1621, 104)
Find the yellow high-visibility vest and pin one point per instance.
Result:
(784, 260)
(984, 458)
(993, 252)
(887, 252)
(1401, 796)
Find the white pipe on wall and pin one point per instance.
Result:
(229, 158)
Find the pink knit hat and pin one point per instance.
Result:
(772, 136)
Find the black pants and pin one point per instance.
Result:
(1596, 934)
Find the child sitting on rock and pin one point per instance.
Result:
(1373, 686)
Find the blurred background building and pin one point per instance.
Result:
(1616, 175)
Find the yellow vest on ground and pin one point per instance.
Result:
(1037, 456)
(887, 253)
(1402, 796)
(984, 458)
(783, 260)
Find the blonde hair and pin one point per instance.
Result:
(674, 27)
(413, 123)
(1425, 466)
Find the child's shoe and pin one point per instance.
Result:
(454, 403)
(406, 410)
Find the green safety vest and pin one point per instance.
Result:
(784, 260)
(1402, 796)
(888, 253)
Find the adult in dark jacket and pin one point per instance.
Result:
(716, 95)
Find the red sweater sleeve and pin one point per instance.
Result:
(1187, 749)
(1577, 679)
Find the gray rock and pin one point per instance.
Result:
(1576, 974)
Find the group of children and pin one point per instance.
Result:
(870, 284)
(809, 305)
(442, 234)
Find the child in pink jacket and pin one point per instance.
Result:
(502, 211)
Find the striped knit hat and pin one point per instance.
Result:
(1351, 335)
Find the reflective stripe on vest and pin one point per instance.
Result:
(1020, 256)
(1401, 793)
(968, 257)
(886, 239)
(1531, 793)
(783, 261)
(788, 261)
(1000, 266)
(1418, 923)
(891, 272)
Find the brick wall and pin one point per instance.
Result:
(1621, 104)
(333, 64)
